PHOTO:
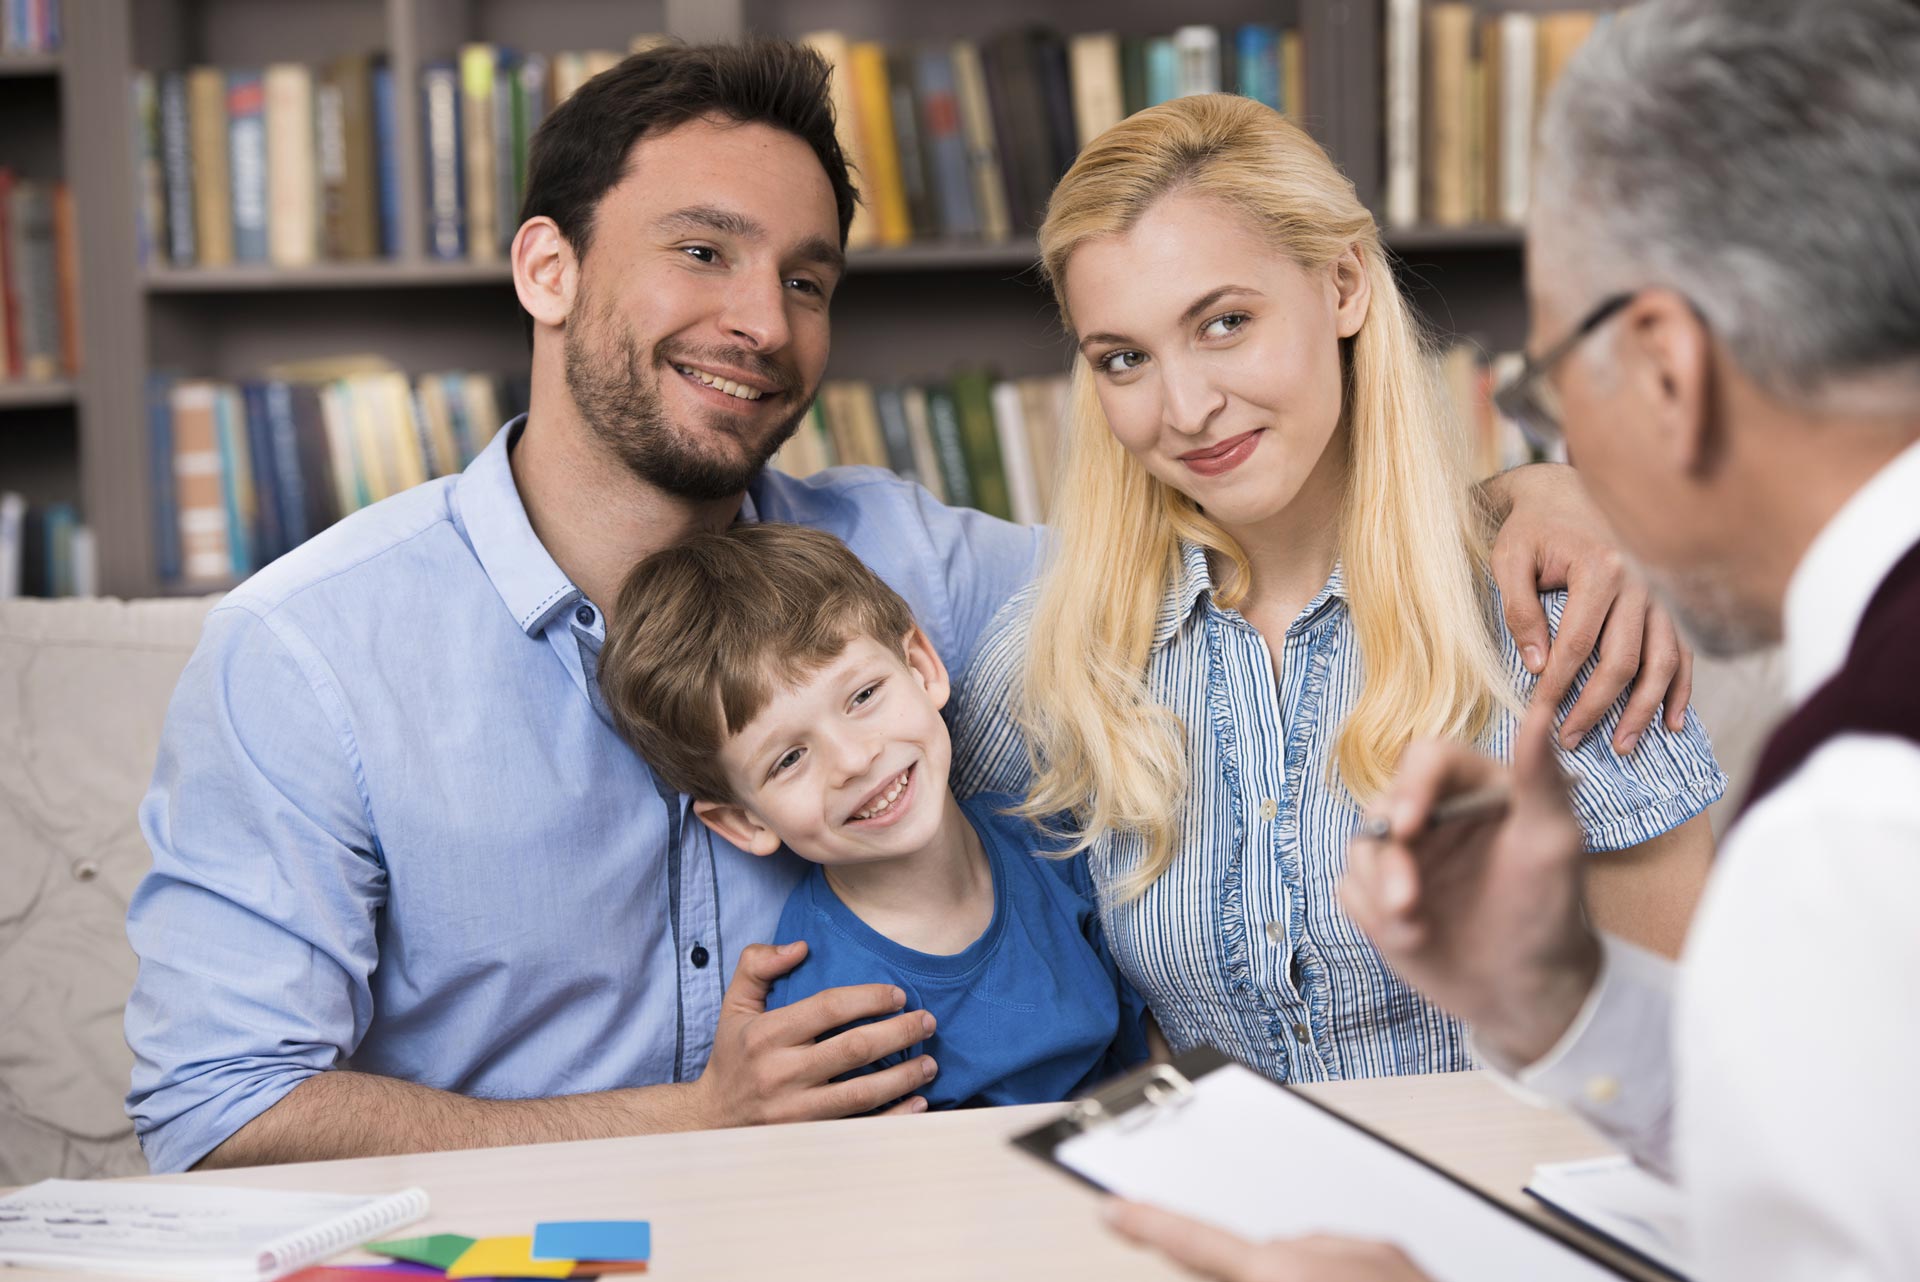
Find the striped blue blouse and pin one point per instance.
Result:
(1241, 943)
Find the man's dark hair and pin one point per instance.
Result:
(579, 153)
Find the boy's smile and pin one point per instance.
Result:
(848, 765)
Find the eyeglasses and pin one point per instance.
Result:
(1528, 398)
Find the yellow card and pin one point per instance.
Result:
(506, 1257)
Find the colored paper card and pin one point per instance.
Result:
(362, 1273)
(593, 1240)
(440, 1250)
(597, 1268)
(506, 1257)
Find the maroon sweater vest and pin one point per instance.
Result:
(1877, 690)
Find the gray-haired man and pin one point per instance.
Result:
(1724, 260)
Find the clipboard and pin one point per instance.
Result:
(1211, 1138)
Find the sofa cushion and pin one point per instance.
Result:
(83, 692)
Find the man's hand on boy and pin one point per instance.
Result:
(768, 1066)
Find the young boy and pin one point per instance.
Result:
(770, 675)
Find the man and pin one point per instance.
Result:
(1724, 267)
(410, 890)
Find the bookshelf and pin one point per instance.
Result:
(913, 311)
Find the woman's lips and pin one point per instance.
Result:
(1224, 457)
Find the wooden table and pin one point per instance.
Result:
(923, 1198)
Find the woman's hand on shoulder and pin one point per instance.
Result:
(1552, 536)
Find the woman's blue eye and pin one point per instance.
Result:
(1237, 318)
(1128, 358)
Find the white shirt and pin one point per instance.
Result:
(1778, 1071)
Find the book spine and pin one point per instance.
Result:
(1056, 100)
(269, 530)
(13, 521)
(946, 146)
(915, 183)
(892, 410)
(1163, 71)
(1010, 429)
(446, 228)
(176, 163)
(1448, 114)
(66, 257)
(1519, 52)
(10, 271)
(330, 161)
(477, 62)
(886, 189)
(205, 556)
(1403, 113)
(314, 452)
(506, 197)
(207, 126)
(980, 443)
(832, 46)
(1133, 74)
(247, 156)
(1098, 101)
(160, 477)
(283, 447)
(1197, 52)
(943, 422)
(149, 183)
(983, 147)
(236, 477)
(1257, 50)
(293, 239)
(34, 263)
(386, 158)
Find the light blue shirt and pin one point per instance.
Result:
(1241, 944)
(392, 829)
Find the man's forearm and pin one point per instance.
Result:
(342, 1114)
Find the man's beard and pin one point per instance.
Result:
(619, 397)
(1715, 619)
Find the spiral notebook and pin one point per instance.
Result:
(1212, 1139)
(191, 1230)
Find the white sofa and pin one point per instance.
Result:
(83, 690)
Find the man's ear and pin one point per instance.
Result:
(925, 664)
(545, 272)
(1666, 357)
(738, 825)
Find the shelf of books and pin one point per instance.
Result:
(345, 175)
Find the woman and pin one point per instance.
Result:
(1269, 577)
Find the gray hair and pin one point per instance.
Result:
(1761, 157)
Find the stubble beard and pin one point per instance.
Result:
(618, 394)
(1715, 618)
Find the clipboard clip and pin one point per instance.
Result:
(1132, 1101)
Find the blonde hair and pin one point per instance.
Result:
(1102, 748)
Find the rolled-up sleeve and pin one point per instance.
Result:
(255, 929)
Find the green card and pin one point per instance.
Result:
(440, 1250)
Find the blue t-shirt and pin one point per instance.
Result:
(1031, 1012)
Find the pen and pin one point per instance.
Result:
(1479, 803)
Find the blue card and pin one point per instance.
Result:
(593, 1240)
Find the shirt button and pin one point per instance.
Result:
(86, 870)
(1300, 1033)
(584, 616)
(1603, 1089)
(1276, 933)
(1268, 809)
(698, 956)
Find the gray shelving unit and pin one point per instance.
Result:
(911, 312)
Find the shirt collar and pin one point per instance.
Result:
(529, 581)
(1193, 583)
(1843, 568)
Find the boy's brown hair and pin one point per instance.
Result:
(705, 632)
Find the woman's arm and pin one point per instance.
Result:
(1646, 894)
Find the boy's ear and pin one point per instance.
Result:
(738, 825)
(924, 662)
